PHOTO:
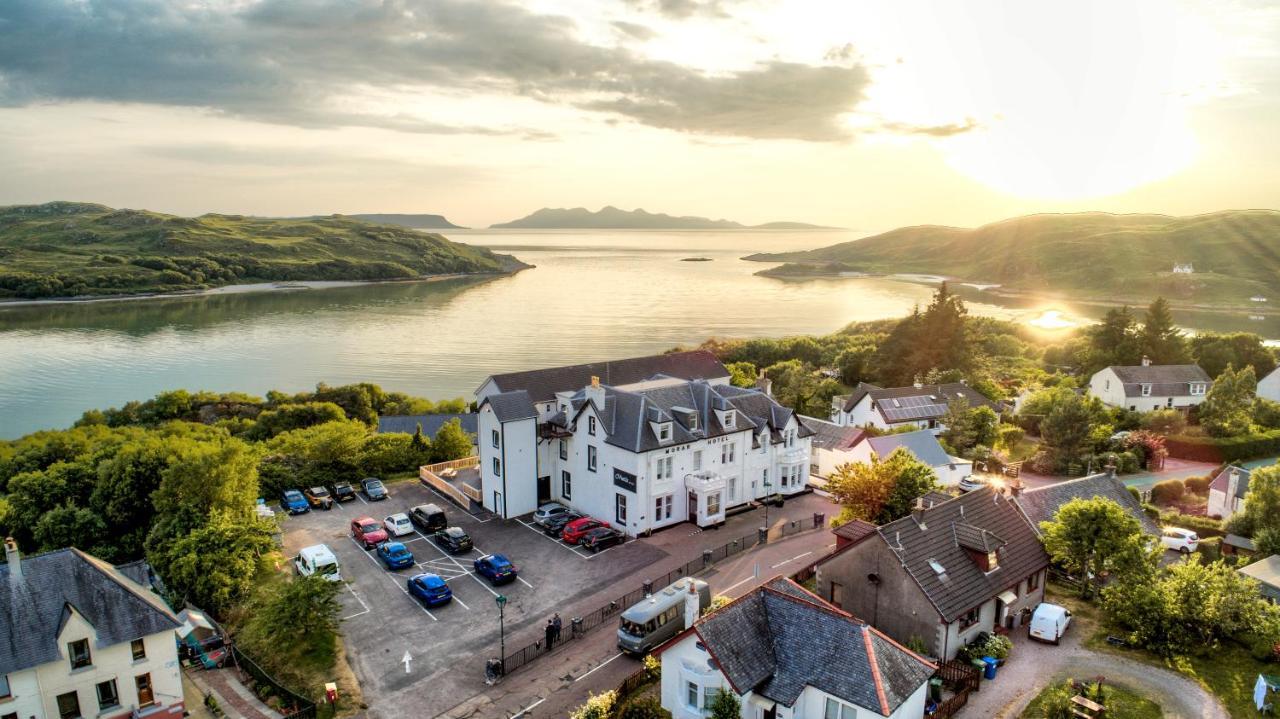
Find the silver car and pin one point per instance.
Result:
(547, 512)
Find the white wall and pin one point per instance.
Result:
(1219, 507)
(1105, 384)
(516, 478)
(1269, 386)
(683, 662)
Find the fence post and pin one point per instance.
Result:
(819, 519)
(764, 535)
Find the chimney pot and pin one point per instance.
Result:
(14, 558)
(1111, 470)
(1146, 361)
(595, 381)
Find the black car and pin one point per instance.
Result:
(453, 540)
(601, 538)
(428, 518)
(373, 489)
(555, 525)
(343, 492)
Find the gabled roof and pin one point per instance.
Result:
(543, 384)
(962, 585)
(511, 406)
(829, 435)
(1223, 480)
(33, 608)
(431, 423)
(780, 638)
(1042, 503)
(916, 403)
(921, 443)
(1165, 379)
(854, 397)
(1267, 572)
(976, 538)
(855, 530)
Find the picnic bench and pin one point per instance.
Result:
(1086, 708)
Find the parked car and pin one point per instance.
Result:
(395, 555)
(1179, 540)
(548, 511)
(971, 483)
(317, 559)
(1049, 622)
(453, 540)
(602, 538)
(428, 518)
(398, 524)
(574, 531)
(318, 497)
(555, 525)
(496, 568)
(343, 492)
(373, 489)
(293, 502)
(430, 589)
(368, 532)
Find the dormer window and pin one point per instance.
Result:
(993, 562)
(1146, 389)
(728, 420)
(664, 432)
(693, 422)
(1197, 388)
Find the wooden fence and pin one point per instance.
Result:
(429, 475)
(464, 463)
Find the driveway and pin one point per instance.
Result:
(1033, 665)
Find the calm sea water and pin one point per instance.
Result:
(593, 295)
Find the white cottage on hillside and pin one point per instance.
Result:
(786, 654)
(1146, 387)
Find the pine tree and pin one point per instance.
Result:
(1161, 341)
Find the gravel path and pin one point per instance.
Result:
(1033, 666)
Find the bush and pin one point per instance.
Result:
(1136, 494)
(644, 708)
(598, 706)
(1197, 485)
(1164, 421)
(1210, 548)
(1202, 526)
(1168, 491)
(1224, 450)
(1009, 435)
(1128, 462)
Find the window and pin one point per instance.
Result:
(591, 425)
(697, 460)
(765, 477)
(493, 436)
(5, 691)
(497, 466)
(664, 432)
(78, 652)
(69, 706)
(566, 484)
(839, 710)
(620, 508)
(693, 422)
(146, 697)
(713, 504)
(969, 619)
(733, 489)
(564, 449)
(1169, 403)
(663, 468)
(10, 715)
(1146, 390)
(662, 508)
(107, 695)
(727, 451)
(836, 594)
(1033, 582)
(591, 458)
(139, 649)
(728, 420)
(691, 694)
(1107, 386)
(1197, 388)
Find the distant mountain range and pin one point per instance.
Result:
(1227, 256)
(417, 222)
(612, 218)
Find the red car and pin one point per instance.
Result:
(368, 531)
(574, 531)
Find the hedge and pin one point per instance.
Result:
(1170, 490)
(1223, 450)
(1202, 526)
(1197, 485)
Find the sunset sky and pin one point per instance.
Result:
(867, 115)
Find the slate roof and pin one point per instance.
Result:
(913, 404)
(1223, 480)
(829, 435)
(431, 423)
(853, 398)
(963, 585)
(1267, 572)
(1042, 503)
(34, 608)
(855, 530)
(921, 443)
(780, 638)
(1165, 379)
(543, 384)
(511, 406)
(976, 538)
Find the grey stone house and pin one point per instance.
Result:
(943, 574)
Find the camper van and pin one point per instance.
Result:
(318, 559)
(1049, 622)
(659, 616)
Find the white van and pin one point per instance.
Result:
(1049, 622)
(318, 559)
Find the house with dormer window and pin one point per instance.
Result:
(950, 570)
(1147, 387)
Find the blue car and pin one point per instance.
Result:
(395, 555)
(294, 503)
(430, 589)
(496, 568)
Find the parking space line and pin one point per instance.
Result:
(527, 709)
(358, 599)
(383, 571)
(362, 499)
(453, 559)
(524, 582)
(542, 534)
(598, 666)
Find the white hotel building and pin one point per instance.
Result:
(641, 443)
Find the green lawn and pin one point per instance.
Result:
(1121, 704)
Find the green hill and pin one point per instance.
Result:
(417, 222)
(1235, 255)
(68, 249)
(612, 218)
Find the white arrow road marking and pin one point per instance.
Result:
(406, 659)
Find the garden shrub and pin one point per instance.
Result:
(1168, 491)
(1197, 485)
(1203, 526)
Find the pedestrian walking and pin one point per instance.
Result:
(555, 622)
(550, 634)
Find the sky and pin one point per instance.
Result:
(860, 114)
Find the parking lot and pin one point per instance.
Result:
(448, 645)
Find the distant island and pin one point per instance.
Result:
(76, 249)
(695, 259)
(417, 222)
(612, 218)
(1228, 257)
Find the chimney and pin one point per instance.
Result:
(595, 392)
(918, 384)
(1016, 487)
(1233, 485)
(1146, 361)
(917, 512)
(691, 605)
(1111, 470)
(14, 558)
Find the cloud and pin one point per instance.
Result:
(635, 30)
(300, 63)
(682, 9)
(944, 130)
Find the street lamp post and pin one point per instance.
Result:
(501, 599)
(767, 495)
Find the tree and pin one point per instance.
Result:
(1114, 341)
(644, 707)
(451, 442)
(288, 417)
(303, 611)
(881, 491)
(968, 426)
(1260, 517)
(204, 478)
(1214, 352)
(1161, 340)
(1164, 421)
(1065, 432)
(319, 455)
(1227, 409)
(724, 705)
(800, 388)
(742, 374)
(215, 565)
(1087, 536)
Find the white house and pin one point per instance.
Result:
(1227, 492)
(1146, 387)
(920, 406)
(921, 443)
(831, 444)
(84, 638)
(787, 654)
(641, 456)
(1269, 386)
